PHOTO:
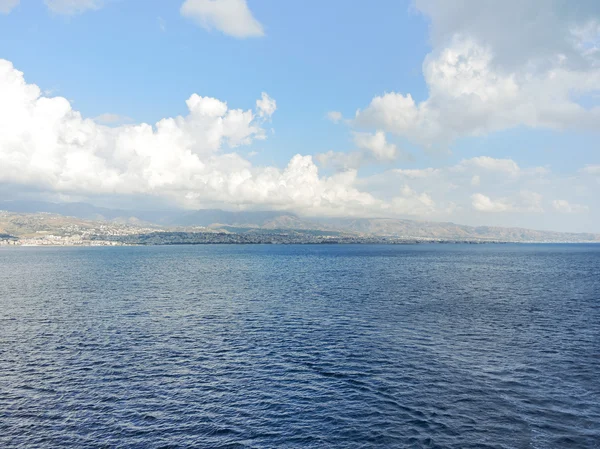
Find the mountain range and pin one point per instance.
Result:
(253, 221)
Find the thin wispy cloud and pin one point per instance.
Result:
(7, 6)
(231, 17)
(73, 7)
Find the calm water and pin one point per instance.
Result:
(446, 346)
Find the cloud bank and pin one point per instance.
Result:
(193, 161)
(483, 78)
(187, 159)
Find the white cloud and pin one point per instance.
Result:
(371, 148)
(506, 166)
(518, 31)
(410, 202)
(44, 143)
(502, 186)
(470, 190)
(591, 170)
(266, 106)
(341, 161)
(415, 173)
(334, 116)
(191, 161)
(484, 203)
(531, 201)
(73, 7)
(499, 169)
(112, 119)
(232, 17)
(483, 78)
(376, 145)
(563, 206)
(7, 6)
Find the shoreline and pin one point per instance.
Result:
(374, 242)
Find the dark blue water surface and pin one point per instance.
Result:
(450, 346)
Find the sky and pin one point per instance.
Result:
(473, 111)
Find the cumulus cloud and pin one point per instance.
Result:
(482, 184)
(112, 119)
(563, 206)
(341, 161)
(410, 202)
(376, 145)
(482, 78)
(194, 161)
(334, 116)
(531, 201)
(266, 106)
(73, 7)
(486, 163)
(476, 170)
(591, 170)
(7, 6)
(417, 173)
(371, 148)
(231, 17)
(538, 29)
(468, 97)
(484, 203)
(186, 159)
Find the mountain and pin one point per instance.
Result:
(41, 229)
(450, 231)
(203, 217)
(245, 219)
(274, 221)
(87, 211)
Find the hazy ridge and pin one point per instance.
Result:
(31, 219)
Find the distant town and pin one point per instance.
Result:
(119, 228)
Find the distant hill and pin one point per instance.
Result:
(87, 211)
(204, 217)
(445, 230)
(251, 221)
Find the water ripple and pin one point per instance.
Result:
(300, 346)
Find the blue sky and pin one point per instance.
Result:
(474, 105)
(118, 60)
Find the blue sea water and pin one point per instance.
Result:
(445, 346)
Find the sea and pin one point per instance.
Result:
(300, 346)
